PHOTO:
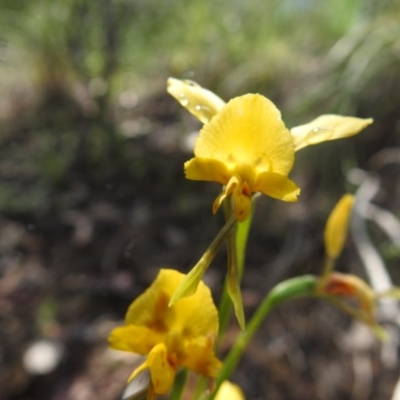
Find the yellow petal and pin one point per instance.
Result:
(241, 196)
(137, 339)
(241, 202)
(248, 130)
(161, 371)
(151, 308)
(138, 370)
(277, 186)
(218, 201)
(337, 225)
(207, 169)
(200, 358)
(229, 391)
(195, 315)
(201, 102)
(327, 127)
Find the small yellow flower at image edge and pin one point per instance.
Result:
(229, 391)
(182, 335)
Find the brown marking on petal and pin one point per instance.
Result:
(159, 323)
(246, 189)
(338, 287)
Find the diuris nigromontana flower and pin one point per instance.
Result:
(247, 148)
(243, 164)
(182, 335)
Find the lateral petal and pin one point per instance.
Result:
(137, 339)
(277, 186)
(202, 103)
(206, 169)
(327, 127)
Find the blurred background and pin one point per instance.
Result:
(93, 200)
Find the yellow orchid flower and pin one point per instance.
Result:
(229, 391)
(182, 335)
(246, 147)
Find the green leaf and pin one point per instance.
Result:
(295, 287)
(233, 281)
(242, 234)
(189, 284)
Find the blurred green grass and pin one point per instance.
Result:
(231, 45)
(64, 65)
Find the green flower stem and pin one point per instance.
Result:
(224, 313)
(240, 244)
(242, 234)
(225, 305)
(233, 281)
(201, 388)
(289, 289)
(328, 268)
(179, 385)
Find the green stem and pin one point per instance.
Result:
(179, 384)
(201, 387)
(240, 244)
(292, 288)
(224, 312)
(225, 305)
(242, 234)
(328, 268)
